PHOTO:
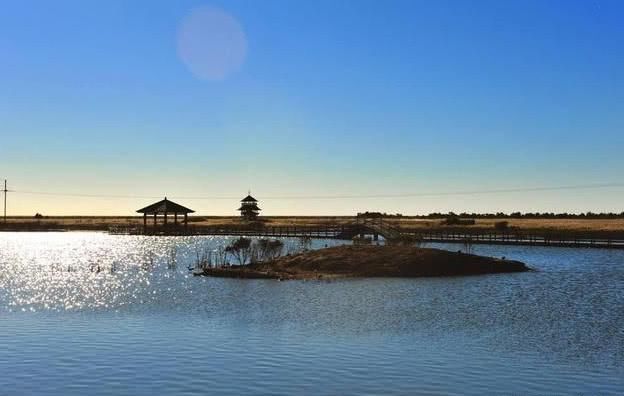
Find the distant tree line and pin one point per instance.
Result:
(501, 215)
(528, 215)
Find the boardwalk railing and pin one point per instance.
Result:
(517, 239)
(317, 231)
(376, 227)
(277, 231)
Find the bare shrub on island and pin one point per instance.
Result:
(241, 249)
(221, 256)
(468, 246)
(269, 250)
(305, 243)
(203, 257)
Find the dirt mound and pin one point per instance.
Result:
(372, 261)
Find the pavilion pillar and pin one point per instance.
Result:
(155, 220)
(185, 219)
(144, 221)
(175, 218)
(165, 218)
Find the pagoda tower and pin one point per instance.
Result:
(249, 208)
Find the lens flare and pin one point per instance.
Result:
(211, 43)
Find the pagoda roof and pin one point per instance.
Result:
(165, 206)
(249, 198)
(251, 206)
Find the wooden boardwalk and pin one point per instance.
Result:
(325, 232)
(376, 228)
(522, 240)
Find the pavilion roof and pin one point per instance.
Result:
(165, 206)
(249, 198)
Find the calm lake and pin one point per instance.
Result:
(140, 327)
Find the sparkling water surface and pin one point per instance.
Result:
(107, 315)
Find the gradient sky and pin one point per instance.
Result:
(323, 98)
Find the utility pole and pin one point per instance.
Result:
(5, 194)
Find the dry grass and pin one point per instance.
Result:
(525, 224)
(613, 225)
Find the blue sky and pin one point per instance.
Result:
(331, 98)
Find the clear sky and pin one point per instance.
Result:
(311, 98)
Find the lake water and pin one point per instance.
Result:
(146, 329)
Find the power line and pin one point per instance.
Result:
(5, 191)
(85, 195)
(348, 196)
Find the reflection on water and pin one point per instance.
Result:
(137, 327)
(78, 271)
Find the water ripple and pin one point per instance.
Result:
(137, 326)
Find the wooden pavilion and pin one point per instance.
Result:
(165, 208)
(249, 208)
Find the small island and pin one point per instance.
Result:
(369, 261)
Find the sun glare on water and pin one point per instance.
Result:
(95, 271)
(67, 271)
